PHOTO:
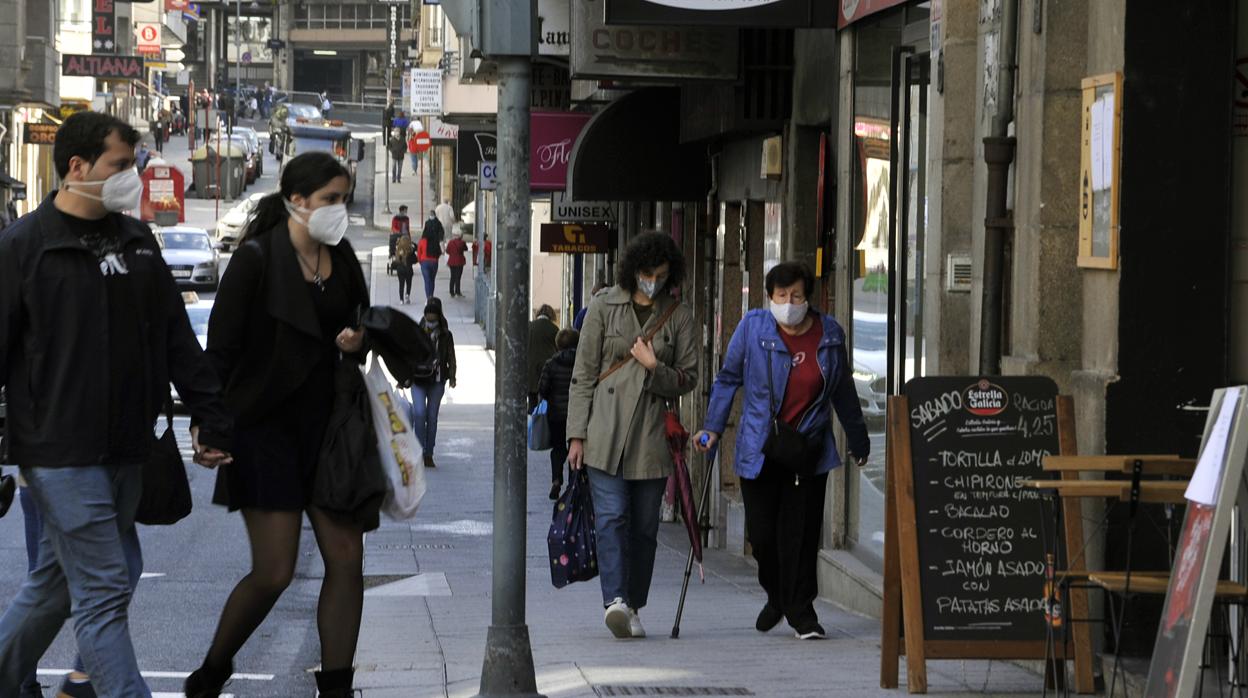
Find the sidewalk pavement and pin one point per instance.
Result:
(427, 607)
(405, 192)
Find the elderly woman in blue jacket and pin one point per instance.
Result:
(791, 362)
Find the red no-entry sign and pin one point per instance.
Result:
(423, 141)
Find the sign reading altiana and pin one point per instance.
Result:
(107, 67)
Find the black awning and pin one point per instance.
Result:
(631, 151)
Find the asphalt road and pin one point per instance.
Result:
(190, 568)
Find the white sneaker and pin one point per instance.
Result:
(618, 619)
(634, 624)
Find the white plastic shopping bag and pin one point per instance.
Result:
(397, 447)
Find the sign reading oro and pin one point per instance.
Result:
(574, 238)
(41, 134)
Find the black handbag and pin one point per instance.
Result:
(787, 447)
(349, 478)
(166, 497)
(402, 343)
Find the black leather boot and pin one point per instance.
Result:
(335, 683)
(207, 681)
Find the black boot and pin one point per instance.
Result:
(335, 683)
(207, 681)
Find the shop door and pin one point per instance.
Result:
(908, 226)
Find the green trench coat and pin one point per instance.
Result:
(621, 420)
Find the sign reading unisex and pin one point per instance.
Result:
(654, 53)
(107, 67)
(731, 13)
(473, 148)
(552, 134)
(103, 27)
(426, 94)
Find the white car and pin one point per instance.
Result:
(193, 258)
(230, 226)
(198, 311)
(870, 362)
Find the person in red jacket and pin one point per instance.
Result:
(456, 260)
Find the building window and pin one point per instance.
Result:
(349, 15)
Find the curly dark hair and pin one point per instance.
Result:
(648, 251)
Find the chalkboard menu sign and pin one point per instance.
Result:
(973, 442)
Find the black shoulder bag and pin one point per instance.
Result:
(786, 446)
(166, 497)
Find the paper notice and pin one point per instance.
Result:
(1203, 489)
(1107, 140)
(1097, 145)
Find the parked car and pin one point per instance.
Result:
(252, 158)
(870, 363)
(253, 140)
(192, 256)
(198, 312)
(230, 226)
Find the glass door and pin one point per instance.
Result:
(908, 226)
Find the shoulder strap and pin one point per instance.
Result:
(667, 314)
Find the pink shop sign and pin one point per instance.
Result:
(553, 133)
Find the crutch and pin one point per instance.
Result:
(703, 526)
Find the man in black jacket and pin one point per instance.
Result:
(92, 330)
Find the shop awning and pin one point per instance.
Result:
(631, 151)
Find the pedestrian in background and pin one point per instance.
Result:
(413, 150)
(396, 148)
(429, 251)
(281, 323)
(791, 361)
(579, 320)
(401, 261)
(456, 260)
(446, 215)
(427, 393)
(542, 333)
(553, 387)
(621, 386)
(86, 285)
(400, 225)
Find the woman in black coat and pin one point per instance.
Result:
(552, 386)
(282, 320)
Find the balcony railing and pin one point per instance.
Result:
(349, 16)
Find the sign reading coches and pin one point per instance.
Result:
(107, 67)
(574, 238)
(40, 134)
(733, 13)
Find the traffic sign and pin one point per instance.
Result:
(148, 37)
(487, 175)
(423, 141)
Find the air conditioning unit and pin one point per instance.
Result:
(958, 268)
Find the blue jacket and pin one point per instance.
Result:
(755, 346)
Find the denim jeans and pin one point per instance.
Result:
(34, 531)
(426, 401)
(86, 513)
(626, 519)
(415, 162)
(429, 270)
(396, 171)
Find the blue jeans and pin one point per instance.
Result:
(34, 531)
(87, 513)
(626, 519)
(429, 270)
(415, 163)
(426, 402)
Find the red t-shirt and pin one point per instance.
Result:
(805, 378)
(455, 253)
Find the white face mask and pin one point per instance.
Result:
(651, 287)
(327, 224)
(789, 314)
(120, 192)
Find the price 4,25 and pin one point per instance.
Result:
(1044, 425)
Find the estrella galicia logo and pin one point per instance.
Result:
(985, 399)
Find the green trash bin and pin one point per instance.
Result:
(204, 171)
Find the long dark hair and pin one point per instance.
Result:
(435, 306)
(303, 175)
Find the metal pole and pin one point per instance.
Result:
(508, 666)
(385, 130)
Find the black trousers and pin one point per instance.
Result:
(457, 273)
(558, 446)
(405, 283)
(783, 521)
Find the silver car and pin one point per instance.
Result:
(253, 142)
(193, 258)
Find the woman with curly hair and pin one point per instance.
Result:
(637, 353)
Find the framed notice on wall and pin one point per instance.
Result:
(1099, 165)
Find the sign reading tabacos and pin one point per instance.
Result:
(553, 133)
